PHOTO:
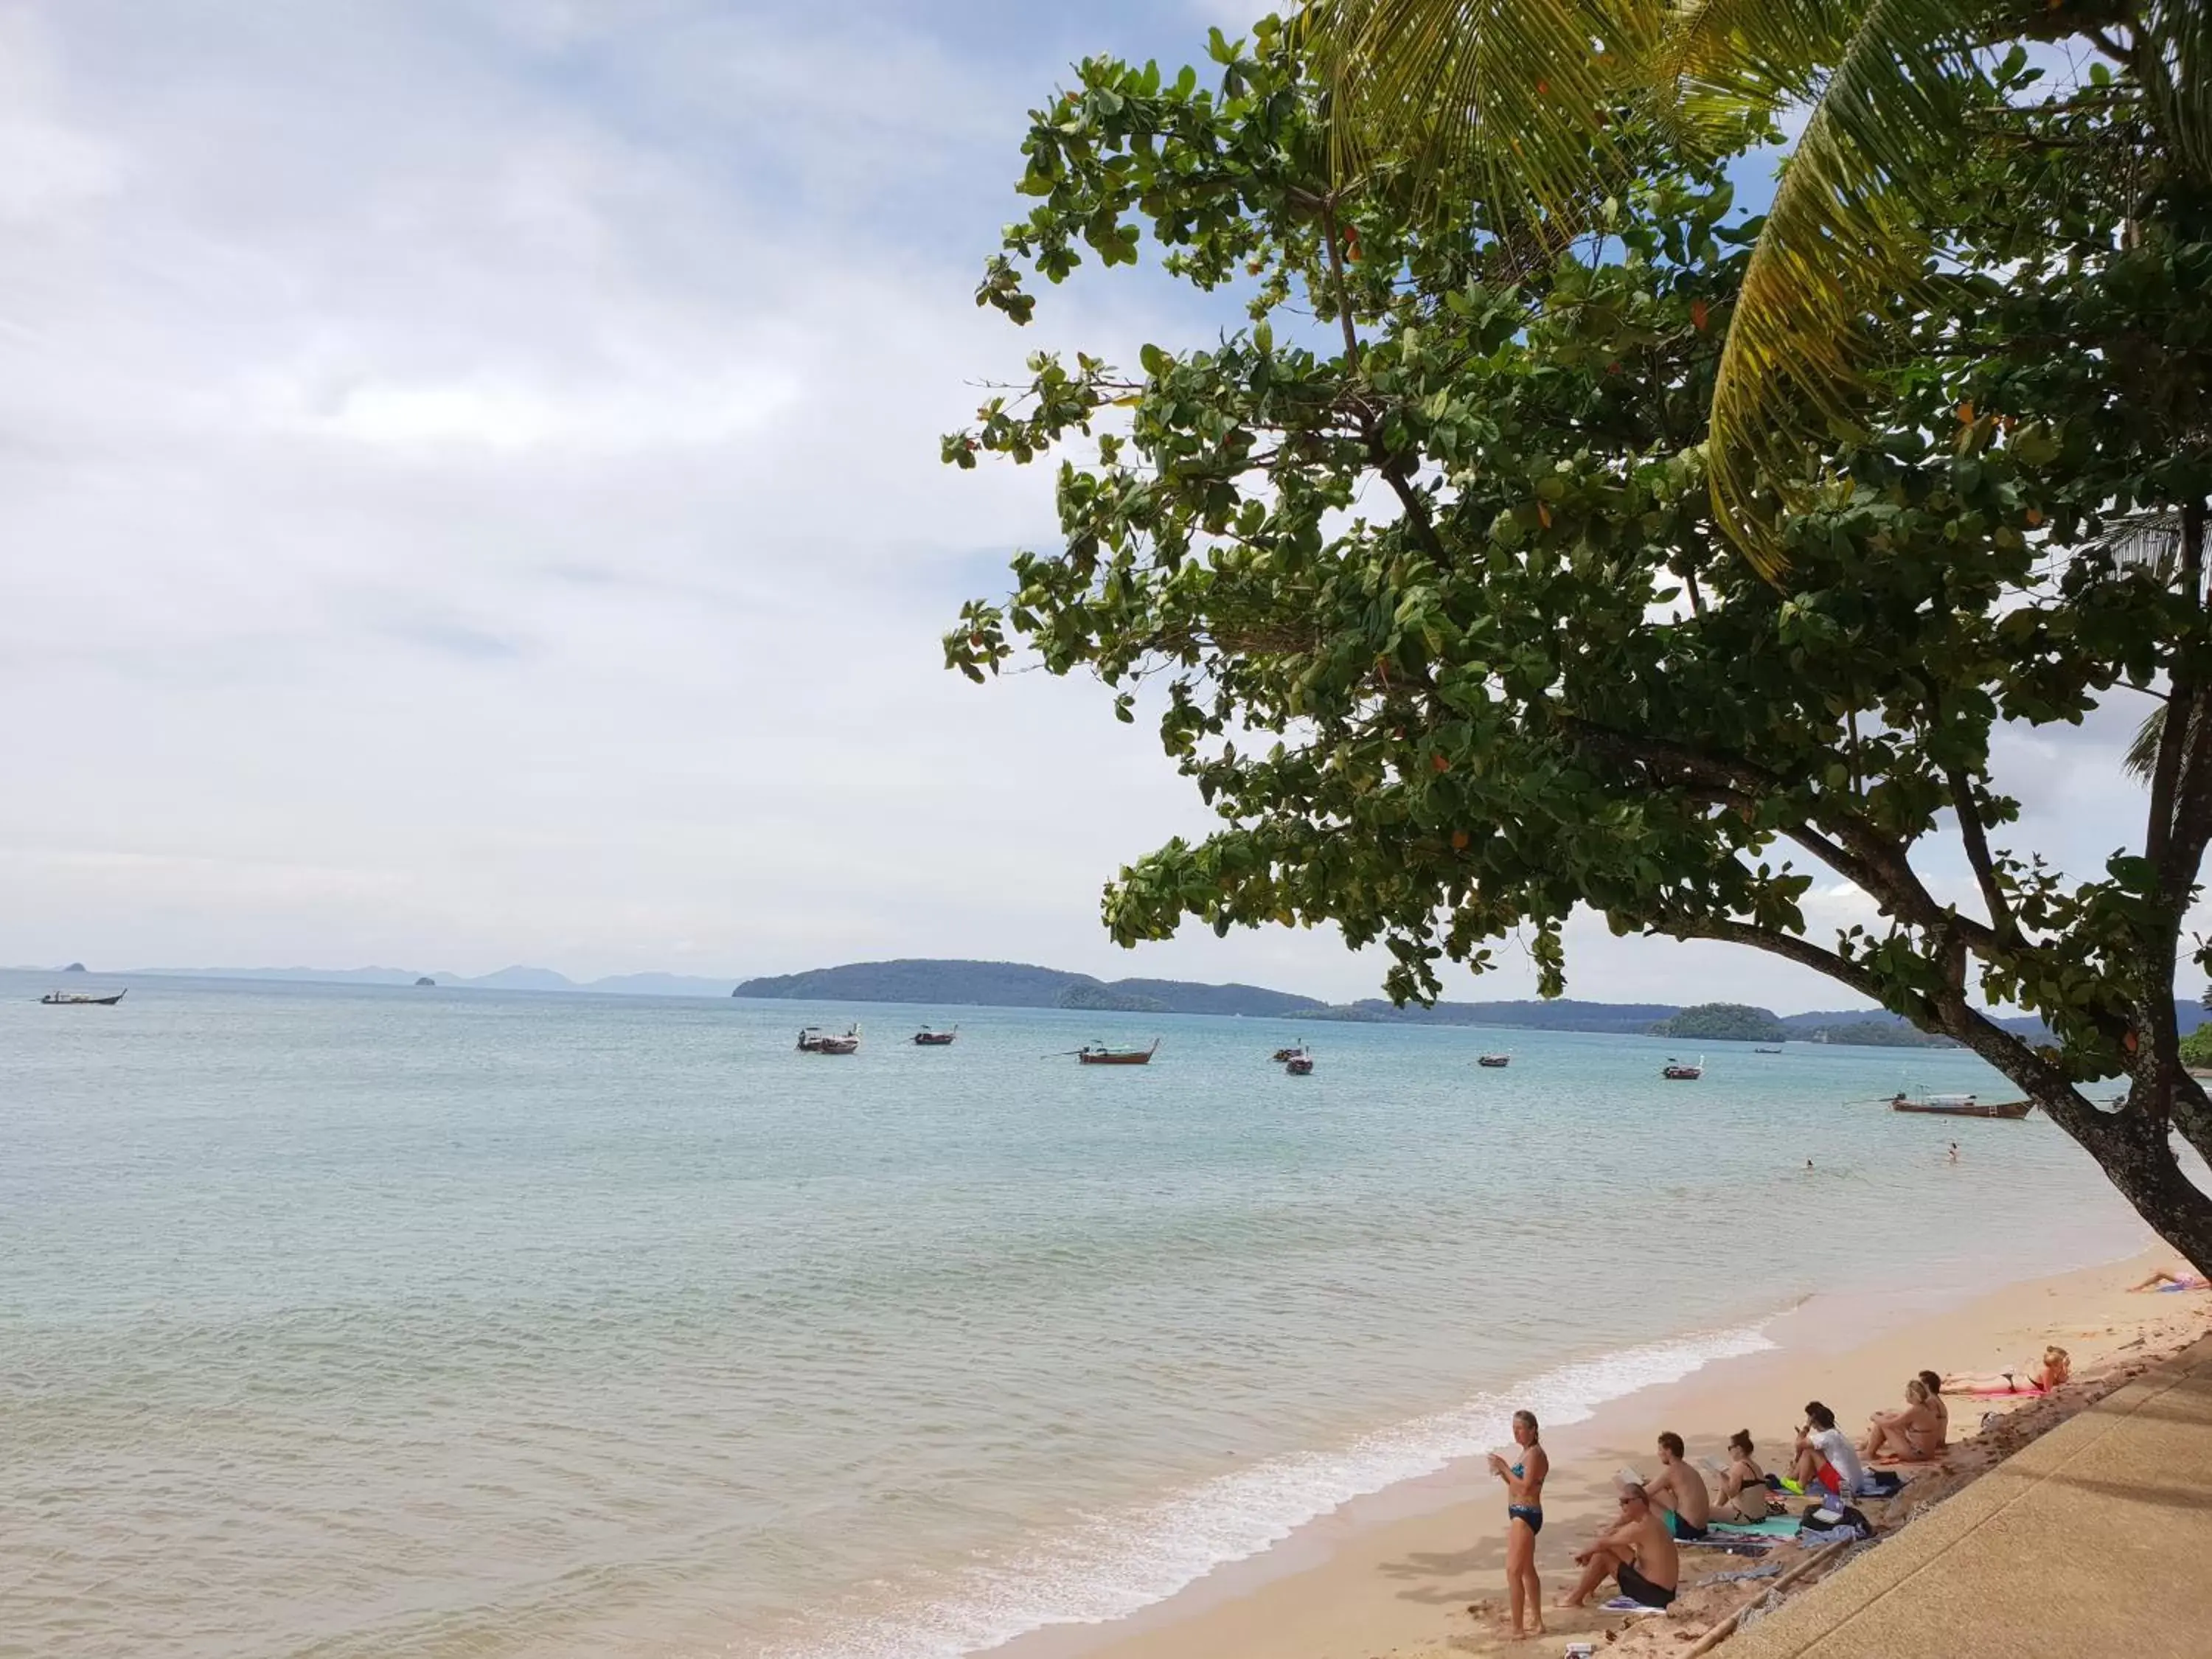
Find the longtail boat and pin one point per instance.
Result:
(1962, 1106)
(813, 1040)
(82, 1000)
(1675, 1071)
(1281, 1055)
(928, 1039)
(1493, 1062)
(1298, 1062)
(1097, 1053)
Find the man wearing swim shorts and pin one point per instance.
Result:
(1679, 1492)
(1638, 1554)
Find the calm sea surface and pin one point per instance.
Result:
(392, 1322)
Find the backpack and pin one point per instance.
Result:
(1836, 1520)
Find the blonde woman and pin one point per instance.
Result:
(1524, 1519)
(2057, 1367)
(1910, 1436)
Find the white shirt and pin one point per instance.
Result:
(1832, 1444)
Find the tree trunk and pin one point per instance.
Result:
(2135, 1149)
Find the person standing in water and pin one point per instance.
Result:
(1524, 1519)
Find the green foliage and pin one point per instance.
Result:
(1724, 1022)
(2197, 1048)
(1429, 606)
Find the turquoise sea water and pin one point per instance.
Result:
(351, 1322)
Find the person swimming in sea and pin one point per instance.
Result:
(1524, 1519)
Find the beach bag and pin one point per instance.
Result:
(1833, 1521)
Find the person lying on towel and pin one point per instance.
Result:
(1638, 1554)
(2055, 1368)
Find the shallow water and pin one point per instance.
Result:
(362, 1322)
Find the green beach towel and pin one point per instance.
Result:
(1775, 1526)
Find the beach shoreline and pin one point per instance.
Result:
(1418, 1567)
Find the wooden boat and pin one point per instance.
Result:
(1962, 1106)
(1494, 1060)
(926, 1038)
(1097, 1053)
(1766, 1051)
(813, 1040)
(81, 999)
(837, 1045)
(1676, 1071)
(1282, 1056)
(1298, 1062)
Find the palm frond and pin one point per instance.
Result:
(2140, 761)
(1520, 91)
(1842, 241)
(2173, 59)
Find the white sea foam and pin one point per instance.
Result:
(1113, 1564)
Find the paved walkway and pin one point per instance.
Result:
(2095, 1541)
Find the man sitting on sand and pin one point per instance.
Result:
(1637, 1554)
(1825, 1455)
(1680, 1490)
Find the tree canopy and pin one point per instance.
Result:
(1417, 560)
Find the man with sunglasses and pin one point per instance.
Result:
(1638, 1554)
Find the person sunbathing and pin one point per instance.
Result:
(1743, 1485)
(1909, 1436)
(1637, 1554)
(2055, 1368)
(2165, 1279)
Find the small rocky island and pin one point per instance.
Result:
(426, 980)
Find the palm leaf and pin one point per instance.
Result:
(2173, 59)
(1522, 91)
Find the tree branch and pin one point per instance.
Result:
(1971, 832)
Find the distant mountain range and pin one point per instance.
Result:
(954, 983)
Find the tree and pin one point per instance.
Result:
(1430, 595)
(1523, 97)
(1724, 1022)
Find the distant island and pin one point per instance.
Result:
(953, 983)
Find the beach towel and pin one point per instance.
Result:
(1742, 1575)
(1776, 1526)
(1740, 1545)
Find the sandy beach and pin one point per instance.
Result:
(1418, 1572)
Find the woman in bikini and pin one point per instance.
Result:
(1937, 1405)
(1743, 1485)
(1524, 1519)
(1909, 1436)
(2055, 1368)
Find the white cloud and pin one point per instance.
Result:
(469, 492)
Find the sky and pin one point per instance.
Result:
(469, 495)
